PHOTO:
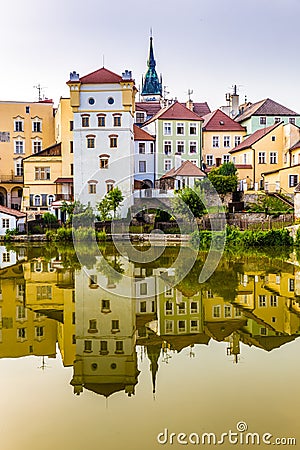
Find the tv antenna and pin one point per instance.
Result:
(190, 92)
(40, 90)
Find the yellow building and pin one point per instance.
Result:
(48, 175)
(220, 134)
(26, 129)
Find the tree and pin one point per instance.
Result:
(115, 198)
(224, 178)
(189, 203)
(104, 208)
(227, 169)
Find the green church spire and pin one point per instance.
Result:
(152, 86)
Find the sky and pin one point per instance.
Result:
(203, 45)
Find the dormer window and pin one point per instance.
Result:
(221, 122)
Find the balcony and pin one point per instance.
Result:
(61, 197)
(11, 178)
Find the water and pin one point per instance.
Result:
(109, 353)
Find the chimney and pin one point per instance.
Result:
(190, 105)
(127, 75)
(177, 161)
(74, 76)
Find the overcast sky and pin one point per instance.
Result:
(204, 45)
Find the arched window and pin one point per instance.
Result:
(51, 199)
(37, 200)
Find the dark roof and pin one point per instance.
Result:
(142, 135)
(259, 134)
(296, 145)
(187, 169)
(243, 166)
(53, 150)
(219, 121)
(176, 111)
(101, 76)
(61, 180)
(11, 212)
(150, 108)
(266, 107)
(201, 109)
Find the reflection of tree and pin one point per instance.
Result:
(112, 269)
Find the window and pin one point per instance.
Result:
(36, 146)
(226, 141)
(291, 284)
(262, 301)
(72, 169)
(27, 109)
(50, 199)
(169, 292)
(71, 146)
(273, 157)
(167, 164)
(5, 223)
(142, 166)
(226, 159)
(19, 125)
(292, 120)
(113, 141)
(209, 160)
(237, 140)
(85, 121)
(215, 141)
(180, 128)
(143, 289)
(142, 148)
(103, 348)
(115, 325)
(19, 168)
(167, 147)
(263, 331)
(19, 147)
(180, 147)
(109, 187)
(43, 292)
(277, 120)
(92, 188)
(37, 126)
(181, 326)
(140, 117)
(37, 200)
(193, 129)
(167, 129)
(193, 147)
(87, 346)
(169, 326)
(194, 307)
(262, 120)
(194, 325)
(105, 305)
(273, 301)
(92, 326)
(261, 157)
(227, 311)
(194, 161)
(216, 311)
(90, 142)
(101, 120)
(245, 158)
(6, 257)
(119, 347)
(143, 307)
(103, 162)
(117, 121)
(181, 308)
(169, 308)
(42, 173)
(293, 180)
(71, 125)
(39, 332)
(21, 333)
(273, 138)
(151, 147)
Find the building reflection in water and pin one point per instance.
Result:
(47, 297)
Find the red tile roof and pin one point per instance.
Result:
(64, 180)
(150, 108)
(187, 169)
(142, 135)
(201, 109)
(176, 111)
(259, 134)
(266, 107)
(101, 76)
(219, 121)
(12, 212)
(243, 166)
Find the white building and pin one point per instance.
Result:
(144, 159)
(11, 219)
(103, 105)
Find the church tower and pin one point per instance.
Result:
(152, 85)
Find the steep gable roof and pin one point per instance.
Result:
(219, 121)
(187, 169)
(176, 111)
(101, 76)
(266, 107)
(142, 135)
(259, 134)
